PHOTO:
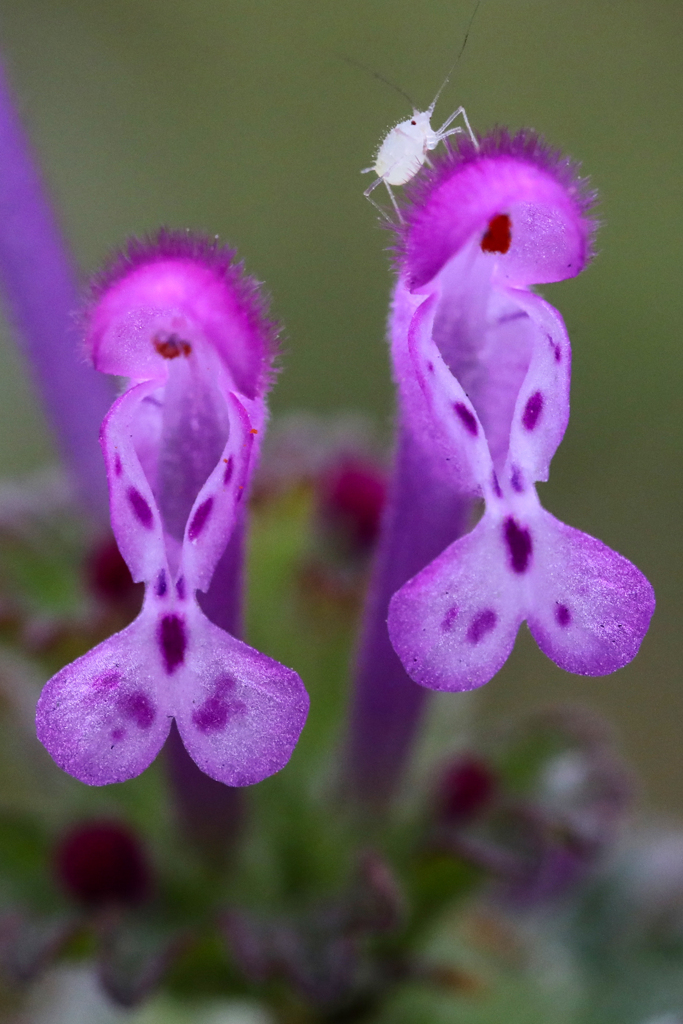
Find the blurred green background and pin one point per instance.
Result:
(238, 117)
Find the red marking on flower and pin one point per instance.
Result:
(498, 236)
(253, 430)
(103, 862)
(172, 347)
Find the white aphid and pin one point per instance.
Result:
(405, 148)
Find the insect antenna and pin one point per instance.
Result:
(381, 78)
(443, 85)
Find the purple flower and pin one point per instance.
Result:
(178, 318)
(483, 365)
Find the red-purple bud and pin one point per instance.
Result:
(103, 862)
(108, 575)
(353, 493)
(468, 785)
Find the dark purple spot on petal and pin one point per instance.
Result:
(430, 367)
(517, 480)
(229, 466)
(141, 508)
(481, 624)
(509, 318)
(138, 707)
(496, 485)
(519, 545)
(562, 615)
(532, 410)
(118, 468)
(180, 588)
(107, 681)
(162, 585)
(199, 519)
(449, 618)
(466, 418)
(172, 641)
(557, 348)
(218, 709)
(117, 734)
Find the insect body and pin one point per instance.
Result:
(405, 149)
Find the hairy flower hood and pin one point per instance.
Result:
(180, 321)
(483, 368)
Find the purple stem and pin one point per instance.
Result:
(421, 519)
(39, 285)
(211, 813)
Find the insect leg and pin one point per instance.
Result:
(367, 195)
(372, 187)
(449, 120)
(471, 134)
(393, 199)
(379, 209)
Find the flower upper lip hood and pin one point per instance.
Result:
(180, 285)
(519, 175)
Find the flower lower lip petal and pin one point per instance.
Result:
(104, 718)
(242, 712)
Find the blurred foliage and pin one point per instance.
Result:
(509, 881)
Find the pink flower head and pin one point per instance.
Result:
(178, 318)
(483, 365)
